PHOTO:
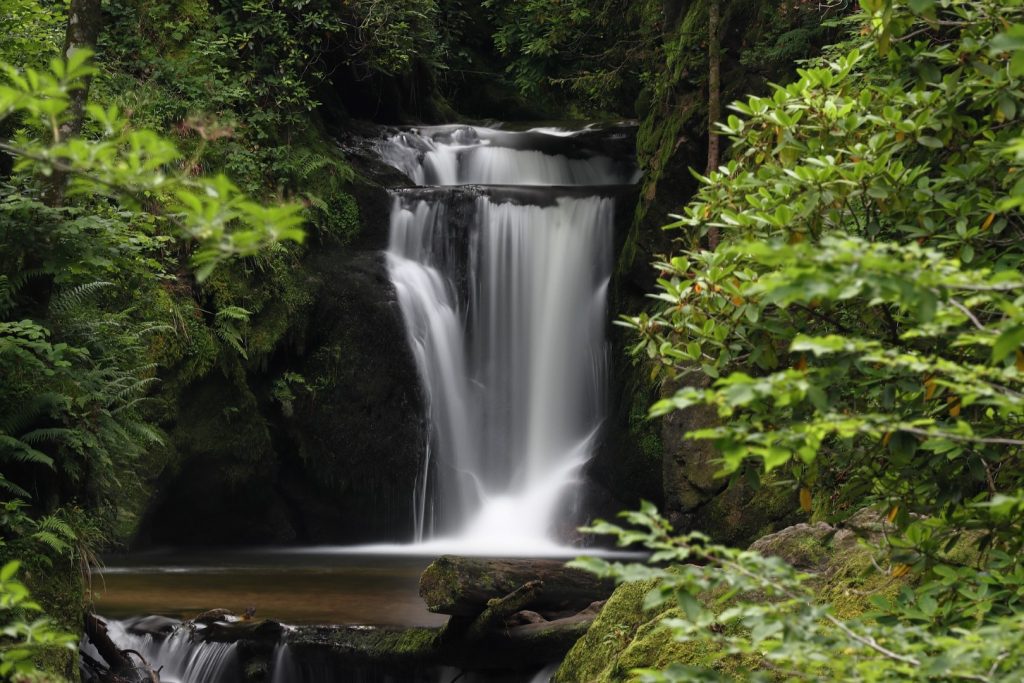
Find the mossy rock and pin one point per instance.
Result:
(742, 513)
(625, 636)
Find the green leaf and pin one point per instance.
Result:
(1007, 342)
(9, 570)
(691, 606)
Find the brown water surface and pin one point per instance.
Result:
(296, 587)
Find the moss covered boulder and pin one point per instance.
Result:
(625, 636)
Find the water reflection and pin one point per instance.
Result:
(295, 588)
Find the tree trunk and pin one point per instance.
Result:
(714, 97)
(85, 18)
(462, 586)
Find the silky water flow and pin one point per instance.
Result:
(501, 261)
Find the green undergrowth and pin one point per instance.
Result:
(628, 635)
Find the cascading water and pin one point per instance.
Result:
(503, 293)
(179, 657)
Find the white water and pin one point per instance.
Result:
(179, 659)
(506, 321)
(463, 155)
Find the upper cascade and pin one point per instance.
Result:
(471, 155)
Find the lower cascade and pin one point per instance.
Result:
(179, 657)
(503, 292)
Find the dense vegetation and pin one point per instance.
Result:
(862, 322)
(847, 282)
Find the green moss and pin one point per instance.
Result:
(395, 646)
(644, 432)
(436, 582)
(625, 637)
(852, 578)
(595, 656)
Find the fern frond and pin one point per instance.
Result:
(143, 432)
(10, 487)
(233, 339)
(136, 388)
(124, 407)
(153, 329)
(19, 451)
(68, 300)
(316, 202)
(52, 541)
(234, 313)
(56, 525)
(22, 278)
(47, 435)
(24, 413)
(308, 162)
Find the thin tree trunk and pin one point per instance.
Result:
(714, 97)
(85, 18)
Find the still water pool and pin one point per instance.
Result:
(301, 586)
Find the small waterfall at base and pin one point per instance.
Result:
(503, 292)
(177, 656)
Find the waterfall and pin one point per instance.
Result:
(503, 294)
(179, 658)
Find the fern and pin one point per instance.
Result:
(47, 435)
(69, 300)
(52, 541)
(316, 202)
(24, 413)
(307, 162)
(143, 432)
(10, 487)
(17, 450)
(56, 525)
(233, 313)
(137, 387)
(230, 335)
(7, 292)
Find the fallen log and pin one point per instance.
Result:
(121, 666)
(462, 586)
(500, 609)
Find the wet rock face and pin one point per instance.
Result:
(338, 463)
(358, 429)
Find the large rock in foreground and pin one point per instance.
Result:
(625, 636)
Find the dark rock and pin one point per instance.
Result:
(689, 465)
(525, 617)
(741, 512)
(154, 625)
(358, 429)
